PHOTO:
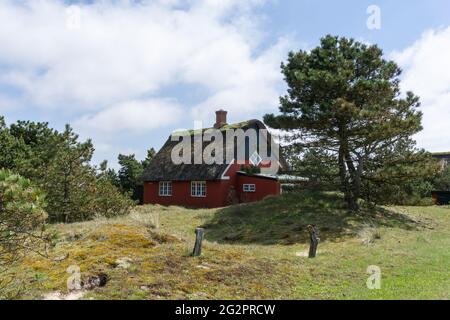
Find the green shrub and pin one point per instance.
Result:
(22, 215)
(108, 200)
(250, 169)
(442, 180)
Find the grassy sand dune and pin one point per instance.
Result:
(252, 251)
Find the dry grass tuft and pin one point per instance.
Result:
(259, 258)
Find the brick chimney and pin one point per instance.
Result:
(221, 119)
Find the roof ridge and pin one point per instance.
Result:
(237, 125)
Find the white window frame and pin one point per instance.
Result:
(198, 189)
(249, 187)
(165, 189)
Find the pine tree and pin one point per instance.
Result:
(15, 154)
(344, 99)
(109, 201)
(150, 155)
(22, 216)
(130, 175)
(60, 165)
(442, 181)
(42, 143)
(109, 174)
(70, 181)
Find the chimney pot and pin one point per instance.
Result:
(221, 119)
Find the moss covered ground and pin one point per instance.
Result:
(252, 251)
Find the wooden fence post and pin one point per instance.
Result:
(198, 242)
(314, 241)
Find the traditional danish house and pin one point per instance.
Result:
(248, 177)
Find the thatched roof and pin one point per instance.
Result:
(162, 168)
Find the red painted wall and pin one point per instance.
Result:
(264, 188)
(217, 192)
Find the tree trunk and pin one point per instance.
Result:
(343, 174)
(355, 175)
(350, 178)
(352, 202)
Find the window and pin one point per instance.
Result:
(165, 188)
(249, 188)
(198, 189)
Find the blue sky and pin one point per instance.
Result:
(127, 73)
(403, 21)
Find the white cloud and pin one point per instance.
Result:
(427, 73)
(7, 103)
(250, 86)
(108, 73)
(123, 50)
(110, 152)
(132, 116)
